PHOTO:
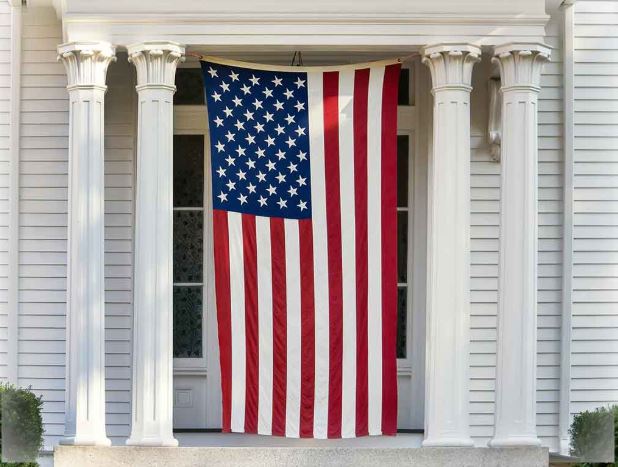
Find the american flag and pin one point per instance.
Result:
(304, 223)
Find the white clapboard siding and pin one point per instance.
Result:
(119, 176)
(5, 105)
(485, 192)
(594, 362)
(550, 211)
(43, 217)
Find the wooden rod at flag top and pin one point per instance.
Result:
(294, 68)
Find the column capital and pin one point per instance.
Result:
(451, 65)
(520, 64)
(155, 62)
(86, 63)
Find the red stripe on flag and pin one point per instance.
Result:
(307, 313)
(251, 323)
(389, 249)
(333, 223)
(277, 242)
(361, 93)
(222, 292)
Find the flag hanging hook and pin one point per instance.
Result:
(297, 58)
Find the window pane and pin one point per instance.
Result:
(404, 87)
(188, 242)
(189, 87)
(188, 170)
(402, 314)
(402, 246)
(187, 322)
(402, 170)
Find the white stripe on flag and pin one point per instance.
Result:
(265, 325)
(348, 252)
(237, 308)
(292, 281)
(374, 250)
(320, 249)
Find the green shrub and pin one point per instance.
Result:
(21, 426)
(594, 437)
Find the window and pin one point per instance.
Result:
(405, 130)
(402, 244)
(188, 245)
(189, 87)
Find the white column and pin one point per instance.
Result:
(152, 316)
(86, 65)
(520, 69)
(448, 246)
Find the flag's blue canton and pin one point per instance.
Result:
(259, 138)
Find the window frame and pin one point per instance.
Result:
(198, 365)
(406, 126)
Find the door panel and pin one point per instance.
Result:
(190, 401)
(197, 392)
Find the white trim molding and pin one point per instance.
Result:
(567, 233)
(14, 154)
(520, 67)
(448, 247)
(152, 395)
(86, 66)
(241, 25)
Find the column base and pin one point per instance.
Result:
(75, 440)
(514, 442)
(153, 442)
(565, 444)
(448, 443)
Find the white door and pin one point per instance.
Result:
(197, 391)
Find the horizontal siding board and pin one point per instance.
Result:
(594, 347)
(5, 118)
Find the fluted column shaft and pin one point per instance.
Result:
(520, 68)
(448, 247)
(155, 63)
(86, 64)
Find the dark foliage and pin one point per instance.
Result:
(21, 433)
(594, 437)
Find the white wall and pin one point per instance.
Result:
(120, 117)
(43, 219)
(594, 366)
(551, 178)
(5, 115)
